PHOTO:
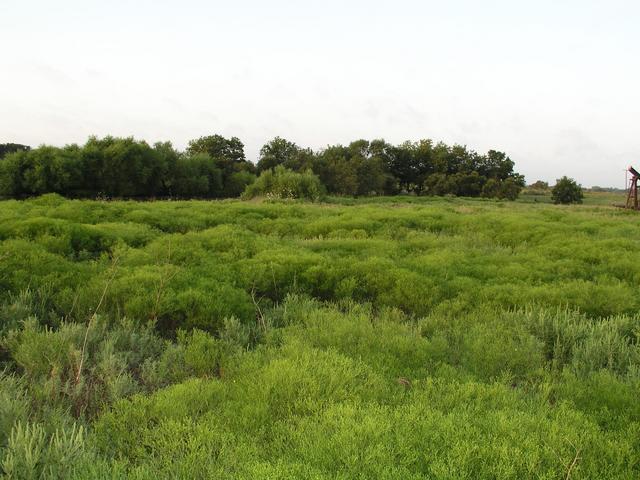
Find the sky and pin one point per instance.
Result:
(554, 84)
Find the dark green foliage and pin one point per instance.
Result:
(566, 191)
(283, 152)
(226, 150)
(216, 167)
(228, 156)
(124, 167)
(237, 183)
(508, 189)
(6, 148)
(366, 168)
(196, 176)
(12, 169)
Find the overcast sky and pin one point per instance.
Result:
(555, 84)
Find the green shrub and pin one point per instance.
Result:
(15, 405)
(508, 189)
(32, 454)
(493, 350)
(566, 191)
(196, 354)
(62, 370)
(282, 183)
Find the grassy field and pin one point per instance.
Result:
(394, 337)
(591, 198)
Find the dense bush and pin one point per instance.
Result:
(63, 370)
(285, 184)
(566, 191)
(508, 188)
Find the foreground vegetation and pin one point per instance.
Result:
(389, 338)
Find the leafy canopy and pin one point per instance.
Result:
(566, 191)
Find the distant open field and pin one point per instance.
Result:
(590, 198)
(390, 337)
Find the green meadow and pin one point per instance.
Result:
(385, 337)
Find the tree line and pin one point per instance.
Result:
(6, 148)
(216, 167)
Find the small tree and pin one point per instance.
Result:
(510, 188)
(566, 191)
(502, 189)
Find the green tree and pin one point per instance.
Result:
(383, 151)
(491, 188)
(336, 172)
(12, 169)
(405, 165)
(168, 158)
(496, 164)
(237, 182)
(510, 188)
(125, 167)
(219, 147)
(369, 168)
(566, 191)
(7, 148)
(50, 169)
(227, 155)
(467, 184)
(437, 184)
(277, 152)
(372, 177)
(196, 176)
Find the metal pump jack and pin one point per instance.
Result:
(632, 196)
